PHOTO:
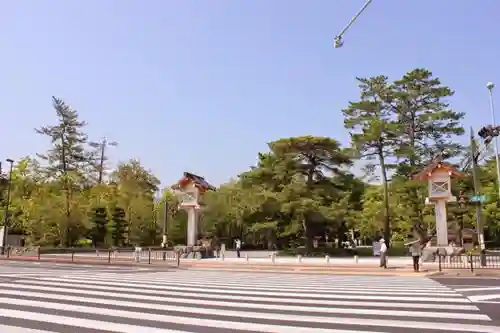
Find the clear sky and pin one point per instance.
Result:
(202, 85)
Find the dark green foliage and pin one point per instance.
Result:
(118, 226)
(99, 227)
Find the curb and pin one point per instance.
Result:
(466, 274)
(293, 267)
(311, 272)
(102, 262)
(289, 266)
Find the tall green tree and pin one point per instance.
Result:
(428, 125)
(428, 128)
(311, 165)
(138, 188)
(373, 133)
(66, 159)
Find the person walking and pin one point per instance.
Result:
(383, 253)
(416, 252)
(238, 247)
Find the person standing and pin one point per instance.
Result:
(383, 253)
(416, 252)
(238, 247)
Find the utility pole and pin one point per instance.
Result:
(102, 158)
(477, 190)
(490, 86)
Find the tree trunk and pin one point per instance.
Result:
(417, 219)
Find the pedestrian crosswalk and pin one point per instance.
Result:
(481, 294)
(233, 302)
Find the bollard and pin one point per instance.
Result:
(38, 253)
(327, 259)
(149, 256)
(246, 257)
(299, 258)
(72, 256)
(109, 256)
(273, 257)
(356, 259)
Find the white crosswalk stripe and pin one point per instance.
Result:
(481, 294)
(222, 302)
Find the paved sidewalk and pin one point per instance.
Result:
(93, 261)
(232, 267)
(335, 266)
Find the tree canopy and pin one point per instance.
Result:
(303, 190)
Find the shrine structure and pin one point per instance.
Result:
(439, 175)
(190, 189)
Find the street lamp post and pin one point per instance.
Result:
(165, 221)
(490, 86)
(6, 211)
(337, 41)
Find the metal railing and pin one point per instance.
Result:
(149, 255)
(469, 261)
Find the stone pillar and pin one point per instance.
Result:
(441, 223)
(192, 226)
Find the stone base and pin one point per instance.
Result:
(429, 254)
(195, 252)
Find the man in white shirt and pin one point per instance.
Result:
(238, 247)
(383, 253)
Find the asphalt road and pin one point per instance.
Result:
(97, 299)
(483, 292)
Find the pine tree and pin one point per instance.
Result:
(67, 159)
(428, 128)
(373, 133)
(99, 225)
(118, 226)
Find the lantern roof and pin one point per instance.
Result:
(438, 166)
(191, 178)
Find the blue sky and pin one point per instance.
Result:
(202, 85)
